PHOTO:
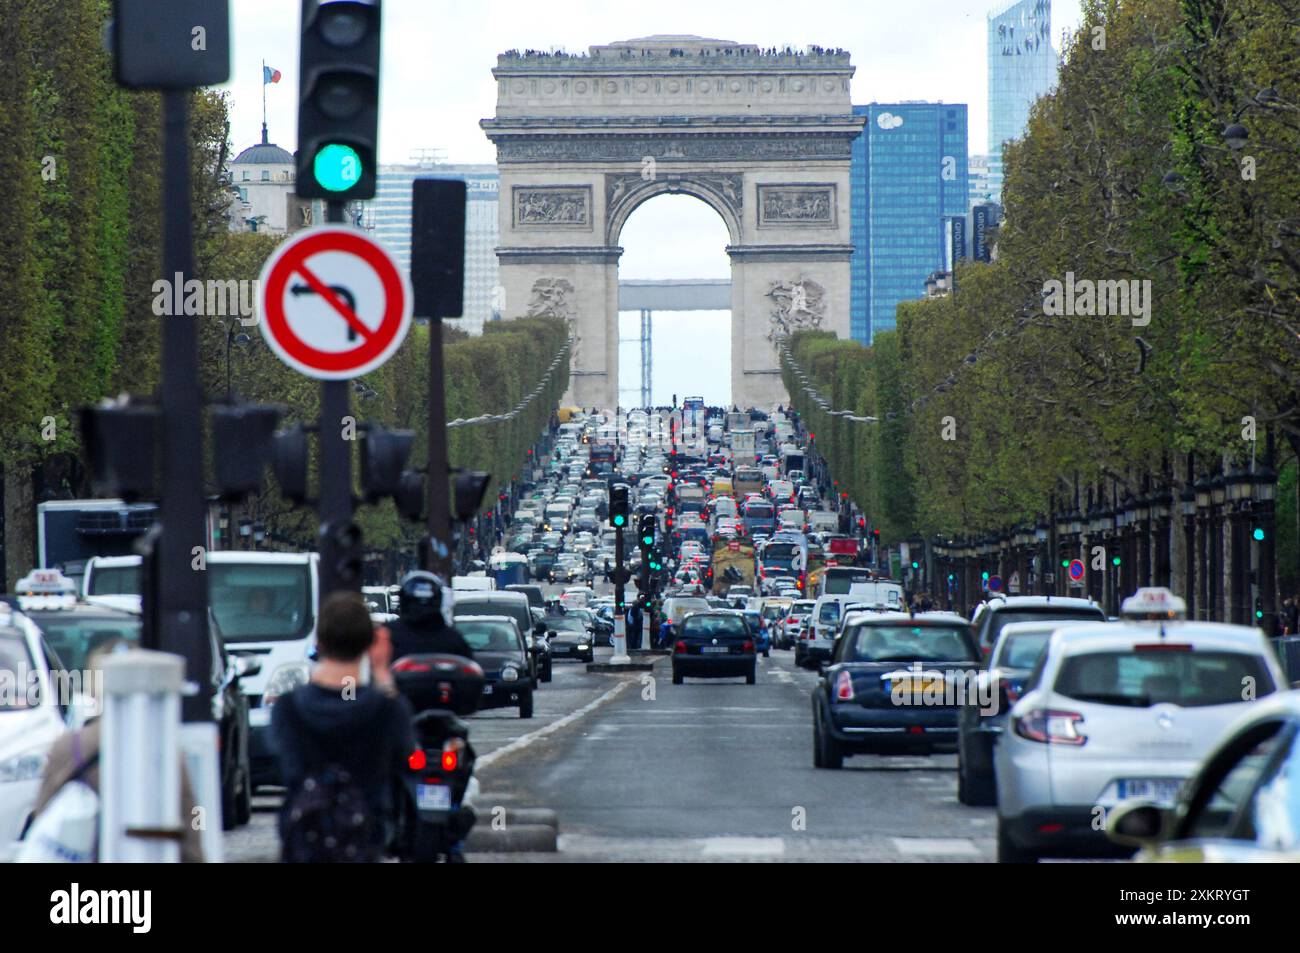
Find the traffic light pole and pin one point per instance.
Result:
(438, 548)
(335, 500)
(620, 618)
(178, 620)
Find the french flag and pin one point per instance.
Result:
(270, 75)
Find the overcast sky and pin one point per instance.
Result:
(436, 85)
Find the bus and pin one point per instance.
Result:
(601, 460)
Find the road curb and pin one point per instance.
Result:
(513, 839)
(608, 667)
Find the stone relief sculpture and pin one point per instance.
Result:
(549, 206)
(551, 299)
(797, 206)
(800, 306)
(728, 186)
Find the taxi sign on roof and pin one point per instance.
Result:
(1154, 602)
(45, 582)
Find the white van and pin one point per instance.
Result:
(881, 594)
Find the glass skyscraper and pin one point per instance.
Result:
(388, 217)
(1022, 67)
(908, 177)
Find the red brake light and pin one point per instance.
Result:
(747, 647)
(1163, 647)
(680, 648)
(843, 687)
(411, 665)
(450, 759)
(416, 760)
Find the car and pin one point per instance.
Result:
(1115, 711)
(30, 721)
(569, 638)
(714, 644)
(984, 717)
(823, 624)
(1240, 807)
(788, 631)
(517, 606)
(891, 686)
(758, 627)
(998, 611)
(500, 650)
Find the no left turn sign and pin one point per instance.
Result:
(333, 303)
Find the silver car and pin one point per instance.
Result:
(1116, 712)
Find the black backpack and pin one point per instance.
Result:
(327, 820)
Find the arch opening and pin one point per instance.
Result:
(674, 258)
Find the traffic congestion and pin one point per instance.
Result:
(1037, 729)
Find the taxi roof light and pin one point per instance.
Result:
(1153, 603)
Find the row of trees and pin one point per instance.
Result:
(1165, 157)
(81, 250)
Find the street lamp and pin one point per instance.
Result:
(240, 340)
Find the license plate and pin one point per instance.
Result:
(914, 686)
(433, 797)
(1160, 790)
(715, 650)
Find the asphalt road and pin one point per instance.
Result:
(637, 768)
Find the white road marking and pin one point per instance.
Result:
(523, 741)
(935, 847)
(743, 846)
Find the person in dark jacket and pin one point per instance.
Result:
(335, 721)
(422, 630)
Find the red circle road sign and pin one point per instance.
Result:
(1076, 570)
(333, 304)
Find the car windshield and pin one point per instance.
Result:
(15, 663)
(115, 581)
(73, 636)
(489, 636)
(907, 643)
(261, 602)
(1007, 616)
(1140, 679)
(713, 626)
(1022, 651)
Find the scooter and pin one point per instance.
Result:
(435, 801)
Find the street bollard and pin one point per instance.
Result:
(140, 758)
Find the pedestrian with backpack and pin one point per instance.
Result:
(342, 745)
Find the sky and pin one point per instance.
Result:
(436, 84)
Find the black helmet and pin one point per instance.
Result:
(421, 600)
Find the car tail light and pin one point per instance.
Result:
(747, 647)
(680, 648)
(843, 687)
(411, 665)
(1050, 726)
(416, 760)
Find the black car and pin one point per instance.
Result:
(515, 604)
(569, 638)
(714, 645)
(890, 687)
(500, 651)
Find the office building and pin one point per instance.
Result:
(1022, 67)
(908, 178)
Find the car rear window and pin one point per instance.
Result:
(713, 626)
(906, 643)
(1139, 679)
(489, 636)
(1045, 614)
(1022, 651)
(830, 612)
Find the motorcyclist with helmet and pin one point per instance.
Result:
(421, 628)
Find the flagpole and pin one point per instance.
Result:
(264, 139)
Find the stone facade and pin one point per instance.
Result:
(761, 137)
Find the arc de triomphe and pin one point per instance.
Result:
(763, 137)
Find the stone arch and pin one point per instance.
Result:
(626, 193)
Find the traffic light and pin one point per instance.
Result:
(289, 463)
(383, 457)
(618, 505)
(1259, 607)
(342, 555)
(915, 564)
(1258, 534)
(1114, 560)
(121, 441)
(338, 112)
(985, 576)
(470, 488)
(243, 442)
(154, 44)
(646, 534)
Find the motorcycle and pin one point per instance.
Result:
(435, 801)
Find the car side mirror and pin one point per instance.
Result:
(1136, 824)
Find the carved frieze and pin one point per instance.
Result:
(787, 205)
(727, 186)
(633, 148)
(553, 206)
(800, 306)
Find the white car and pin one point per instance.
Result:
(30, 721)
(1118, 711)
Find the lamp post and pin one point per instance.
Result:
(1203, 565)
(1218, 562)
(1238, 487)
(232, 339)
(1187, 510)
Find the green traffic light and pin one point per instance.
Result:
(1065, 564)
(985, 577)
(1258, 534)
(337, 167)
(619, 520)
(1114, 561)
(915, 564)
(1259, 614)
